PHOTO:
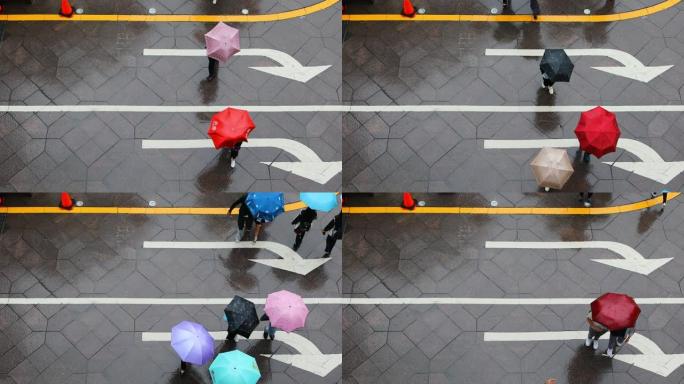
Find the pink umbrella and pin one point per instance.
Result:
(286, 310)
(222, 42)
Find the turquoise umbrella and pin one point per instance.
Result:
(320, 201)
(234, 367)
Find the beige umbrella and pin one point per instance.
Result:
(552, 168)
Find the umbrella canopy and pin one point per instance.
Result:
(234, 367)
(552, 168)
(557, 65)
(598, 132)
(615, 310)
(229, 127)
(192, 343)
(241, 316)
(286, 310)
(265, 206)
(320, 201)
(222, 42)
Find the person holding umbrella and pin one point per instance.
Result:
(614, 312)
(597, 132)
(234, 367)
(319, 201)
(284, 310)
(221, 42)
(264, 206)
(555, 66)
(244, 219)
(192, 343)
(241, 316)
(229, 129)
(335, 228)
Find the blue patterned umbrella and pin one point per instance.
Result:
(265, 206)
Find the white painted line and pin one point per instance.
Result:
(309, 357)
(291, 261)
(652, 358)
(651, 166)
(632, 260)
(427, 108)
(326, 301)
(289, 67)
(632, 68)
(309, 166)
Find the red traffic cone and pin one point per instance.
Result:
(408, 9)
(66, 202)
(408, 202)
(66, 10)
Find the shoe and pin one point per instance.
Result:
(232, 163)
(326, 255)
(609, 352)
(595, 345)
(534, 16)
(587, 204)
(182, 371)
(295, 247)
(210, 78)
(272, 337)
(587, 342)
(550, 90)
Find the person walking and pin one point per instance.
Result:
(534, 6)
(596, 330)
(335, 228)
(663, 193)
(269, 330)
(234, 152)
(213, 68)
(244, 219)
(304, 219)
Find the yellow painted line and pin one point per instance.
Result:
(632, 207)
(519, 18)
(134, 210)
(287, 15)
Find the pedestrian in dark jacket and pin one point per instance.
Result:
(335, 225)
(304, 219)
(244, 219)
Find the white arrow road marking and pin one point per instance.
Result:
(651, 166)
(328, 301)
(652, 358)
(423, 108)
(310, 358)
(289, 68)
(632, 68)
(633, 261)
(310, 166)
(290, 260)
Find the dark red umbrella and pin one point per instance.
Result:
(615, 310)
(229, 127)
(598, 132)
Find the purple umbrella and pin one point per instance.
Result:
(192, 343)
(222, 42)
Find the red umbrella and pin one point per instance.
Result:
(598, 132)
(615, 310)
(229, 127)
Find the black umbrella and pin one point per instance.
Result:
(242, 316)
(557, 65)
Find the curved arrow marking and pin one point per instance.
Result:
(632, 260)
(290, 260)
(310, 358)
(632, 68)
(652, 358)
(310, 166)
(651, 166)
(289, 68)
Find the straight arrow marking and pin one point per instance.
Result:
(632, 68)
(652, 166)
(310, 166)
(310, 358)
(291, 261)
(652, 358)
(289, 68)
(633, 260)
